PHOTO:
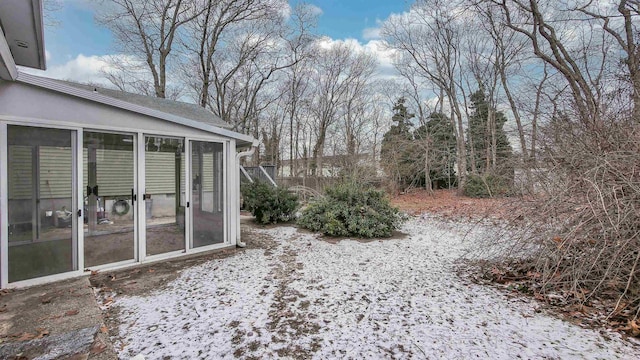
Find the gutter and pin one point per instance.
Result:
(240, 155)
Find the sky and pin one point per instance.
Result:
(75, 45)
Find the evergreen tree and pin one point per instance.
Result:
(440, 134)
(396, 148)
(480, 138)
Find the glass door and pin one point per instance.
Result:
(207, 193)
(42, 217)
(164, 195)
(109, 198)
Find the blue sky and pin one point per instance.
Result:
(76, 43)
(348, 18)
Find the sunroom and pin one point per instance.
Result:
(93, 178)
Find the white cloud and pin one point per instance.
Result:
(371, 33)
(79, 69)
(381, 53)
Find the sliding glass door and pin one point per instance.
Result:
(42, 217)
(207, 193)
(109, 198)
(164, 195)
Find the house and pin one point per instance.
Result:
(94, 179)
(332, 165)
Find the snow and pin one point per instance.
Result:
(307, 298)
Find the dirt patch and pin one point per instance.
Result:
(288, 315)
(447, 204)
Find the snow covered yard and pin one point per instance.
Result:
(303, 297)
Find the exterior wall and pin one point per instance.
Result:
(17, 99)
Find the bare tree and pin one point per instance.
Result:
(237, 47)
(429, 38)
(618, 22)
(340, 75)
(147, 30)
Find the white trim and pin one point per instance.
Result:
(76, 222)
(112, 266)
(187, 194)
(106, 100)
(188, 243)
(136, 205)
(267, 175)
(141, 221)
(225, 189)
(18, 120)
(4, 205)
(79, 197)
(208, 248)
(23, 121)
(163, 256)
(238, 156)
(231, 202)
(245, 173)
(6, 59)
(44, 279)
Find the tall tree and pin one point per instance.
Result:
(440, 154)
(147, 30)
(488, 158)
(429, 38)
(340, 72)
(397, 151)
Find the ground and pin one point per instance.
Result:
(292, 294)
(447, 204)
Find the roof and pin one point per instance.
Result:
(22, 31)
(178, 114)
(178, 108)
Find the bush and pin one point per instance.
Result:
(269, 204)
(351, 210)
(485, 186)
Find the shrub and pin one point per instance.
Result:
(352, 210)
(269, 204)
(485, 186)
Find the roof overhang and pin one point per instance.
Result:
(21, 22)
(53, 85)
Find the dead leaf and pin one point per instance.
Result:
(26, 337)
(98, 347)
(632, 327)
(42, 332)
(108, 301)
(71, 312)
(103, 329)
